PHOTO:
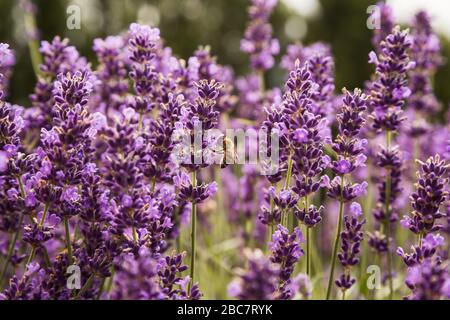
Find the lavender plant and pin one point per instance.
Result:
(115, 181)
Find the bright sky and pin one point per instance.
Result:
(404, 10)
(438, 9)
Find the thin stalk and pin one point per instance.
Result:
(286, 186)
(388, 219)
(140, 123)
(336, 241)
(308, 251)
(193, 232)
(41, 223)
(262, 82)
(272, 225)
(102, 287)
(31, 256)
(111, 280)
(33, 44)
(420, 240)
(416, 156)
(44, 214)
(289, 173)
(135, 235)
(68, 242)
(133, 229)
(46, 257)
(16, 234)
(86, 286)
(308, 244)
(153, 184)
(21, 188)
(11, 248)
(178, 223)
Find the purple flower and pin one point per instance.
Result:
(351, 239)
(429, 280)
(3, 161)
(126, 201)
(258, 282)
(70, 194)
(429, 196)
(49, 137)
(433, 241)
(389, 89)
(301, 135)
(310, 217)
(258, 41)
(285, 250)
(342, 167)
(356, 210)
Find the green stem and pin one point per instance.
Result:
(193, 232)
(336, 241)
(86, 286)
(33, 45)
(178, 223)
(31, 256)
(135, 235)
(140, 123)
(21, 188)
(41, 223)
(111, 280)
(308, 243)
(44, 215)
(102, 287)
(68, 242)
(11, 248)
(388, 219)
(262, 82)
(308, 251)
(420, 240)
(286, 187)
(46, 257)
(289, 173)
(153, 185)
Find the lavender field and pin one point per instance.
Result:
(146, 175)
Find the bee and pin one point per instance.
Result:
(229, 153)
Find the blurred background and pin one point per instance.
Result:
(186, 24)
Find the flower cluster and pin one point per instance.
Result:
(428, 198)
(426, 54)
(286, 251)
(389, 90)
(7, 60)
(115, 181)
(351, 239)
(349, 148)
(258, 41)
(258, 282)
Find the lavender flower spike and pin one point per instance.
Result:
(429, 197)
(350, 149)
(258, 282)
(258, 41)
